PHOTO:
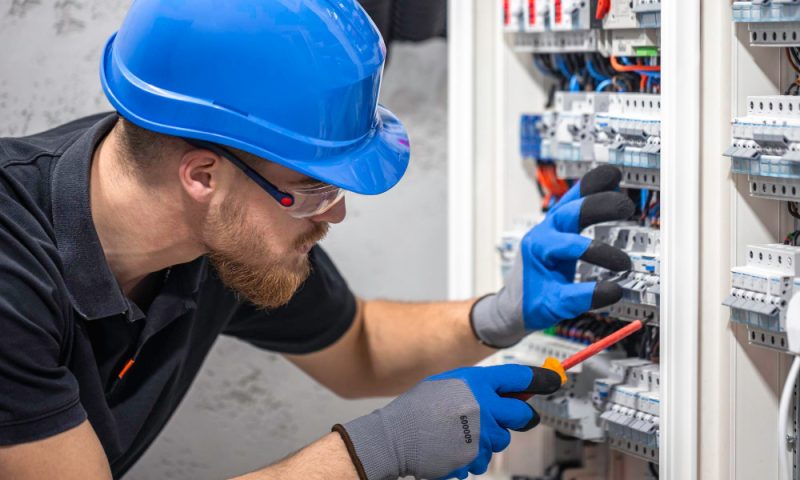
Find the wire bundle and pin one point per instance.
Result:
(576, 72)
(793, 55)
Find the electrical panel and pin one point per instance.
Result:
(764, 156)
(597, 75)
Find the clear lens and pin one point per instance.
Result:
(309, 202)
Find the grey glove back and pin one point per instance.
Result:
(447, 426)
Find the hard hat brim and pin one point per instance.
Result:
(375, 166)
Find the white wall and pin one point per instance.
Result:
(249, 408)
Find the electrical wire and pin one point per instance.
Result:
(793, 55)
(791, 239)
(603, 85)
(615, 62)
(593, 71)
(574, 84)
(784, 471)
(792, 207)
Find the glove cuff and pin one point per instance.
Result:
(490, 325)
(369, 448)
(351, 450)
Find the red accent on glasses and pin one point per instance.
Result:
(287, 202)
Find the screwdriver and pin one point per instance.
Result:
(561, 368)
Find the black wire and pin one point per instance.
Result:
(653, 469)
(794, 53)
(792, 207)
(643, 344)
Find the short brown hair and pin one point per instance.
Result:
(141, 149)
(144, 150)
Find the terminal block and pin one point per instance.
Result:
(630, 401)
(513, 15)
(572, 15)
(536, 16)
(633, 123)
(648, 12)
(571, 410)
(576, 131)
(770, 23)
(560, 42)
(641, 285)
(629, 15)
(608, 233)
(633, 27)
(634, 43)
(531, 130)
(547, 127)
(766, 146)
(762, 288)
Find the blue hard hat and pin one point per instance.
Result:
(295, 82)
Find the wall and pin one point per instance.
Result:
(249, 408)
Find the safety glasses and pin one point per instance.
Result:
(300, 202)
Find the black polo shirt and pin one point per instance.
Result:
(67, 331)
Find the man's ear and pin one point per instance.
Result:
(200, 173)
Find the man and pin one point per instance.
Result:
(130, 241)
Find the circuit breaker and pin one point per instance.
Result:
(766, 146)
(761, 290)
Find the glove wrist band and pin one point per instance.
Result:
(348, 443)
(472, 322)
(372, 451)
(488, 324)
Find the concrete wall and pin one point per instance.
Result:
(249, 408)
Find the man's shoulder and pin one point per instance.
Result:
(47, 144)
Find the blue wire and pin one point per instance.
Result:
(594, 73)
(643, 199)
(562, 65)
(603, 85)
(574, 84)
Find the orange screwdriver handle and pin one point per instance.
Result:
(561, 367)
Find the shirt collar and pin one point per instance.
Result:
(94, 291)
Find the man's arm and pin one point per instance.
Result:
(326, 458)
(72, 455)
(393, 345)
(77, 455)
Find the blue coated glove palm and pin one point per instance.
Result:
(448, 425)
(540, 290)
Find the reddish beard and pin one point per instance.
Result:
(265, 282)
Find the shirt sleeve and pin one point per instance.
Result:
(321, 311)
(39, 396)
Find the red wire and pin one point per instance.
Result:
(633, 68)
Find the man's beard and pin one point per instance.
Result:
(244, 262)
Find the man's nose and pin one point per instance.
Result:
(334, 215)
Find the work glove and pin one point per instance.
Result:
(448, 425)
(540, 290)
